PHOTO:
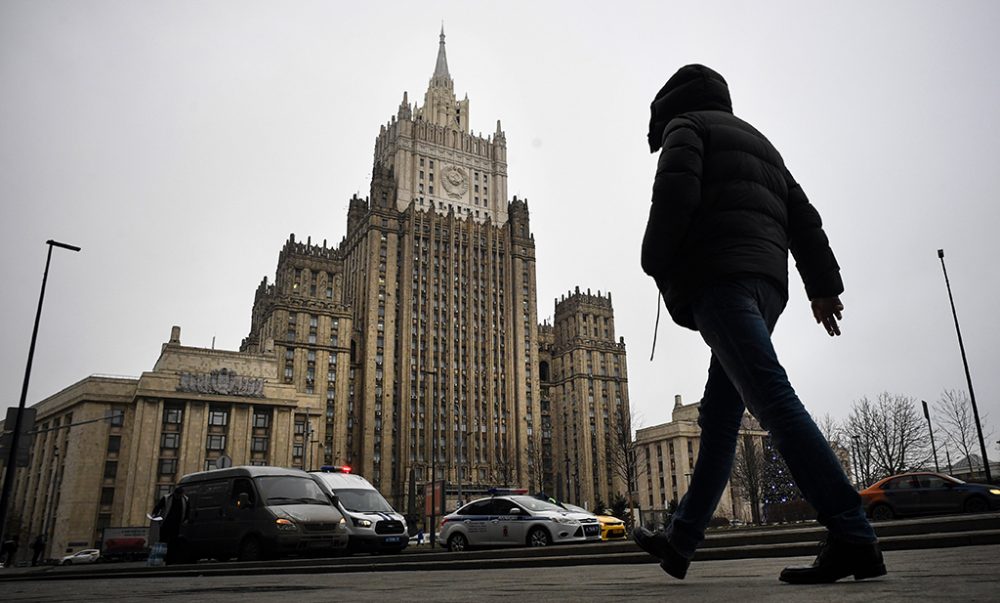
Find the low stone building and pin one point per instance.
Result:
(106, 448)
(665, 458)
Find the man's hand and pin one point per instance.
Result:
(827, 311)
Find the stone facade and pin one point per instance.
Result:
(412, 343)
(665, 458)
(107, 448)
(586, 387)
(424, 321)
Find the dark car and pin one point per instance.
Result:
(927, 493)
(256, 513)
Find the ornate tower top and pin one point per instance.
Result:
(441, 108)
(441, 68)
(438, 164)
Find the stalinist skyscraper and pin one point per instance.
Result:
(420, 329)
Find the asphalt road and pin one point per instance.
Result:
(969, 573)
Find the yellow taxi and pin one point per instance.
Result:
(612, 528)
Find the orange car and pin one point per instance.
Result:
(926, 493)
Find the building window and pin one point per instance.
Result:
(300, 426)
(216, 442)
(261, 419)
(168, 466)
(218, 416)
(103, 521)
(170, 440)
(297, 450)
(162, 490)
(258, 444)
(114, 443)
(173, 415)
(110, 469)
(117, 417)
(107, 496)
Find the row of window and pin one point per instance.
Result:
(301, 276)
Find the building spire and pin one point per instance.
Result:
(441, 68)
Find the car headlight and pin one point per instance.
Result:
(286, 525)
(995, 491)
(362, 523)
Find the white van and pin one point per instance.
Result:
(372, 524)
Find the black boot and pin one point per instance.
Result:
(838, 559)
(657, 545)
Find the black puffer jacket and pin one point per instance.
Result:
(724, 205)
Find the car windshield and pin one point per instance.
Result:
(534, 504)
(363, 501)
(576, 509)
(290, 490)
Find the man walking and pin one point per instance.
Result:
(37, 549)
(172, 511)
(724, 215)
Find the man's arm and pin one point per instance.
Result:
(809, 246)
(814, 259)
(676, 195)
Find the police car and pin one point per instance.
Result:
(515, 520)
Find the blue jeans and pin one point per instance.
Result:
(736, 320)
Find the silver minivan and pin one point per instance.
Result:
(258, 512)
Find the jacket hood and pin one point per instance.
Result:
(692, 88)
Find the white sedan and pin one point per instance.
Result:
(515, 521)
(84, 556)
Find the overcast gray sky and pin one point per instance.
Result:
(179, 143)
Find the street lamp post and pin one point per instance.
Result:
(458, 456)
(927, 415)
(968, 376)
(8, 477)
(434, 418)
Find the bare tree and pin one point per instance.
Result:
(890, 436)
(623, 456)
(956, 421)
(831, 430)
(503, 472)
(536, 467)
(748, 473)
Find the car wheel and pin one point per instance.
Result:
(457, 542)
(976, 505)
(250, 549)
(539, 537)
(882, 513)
